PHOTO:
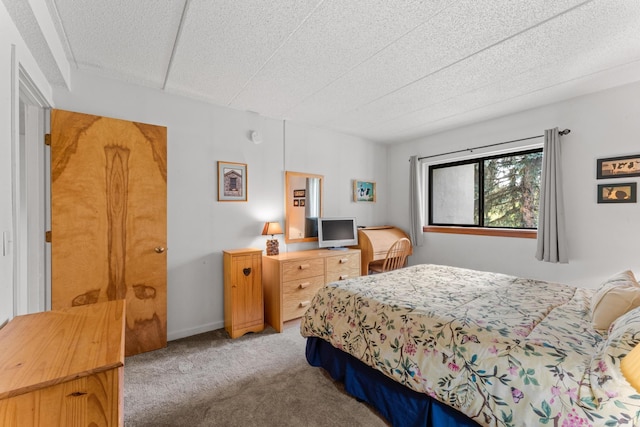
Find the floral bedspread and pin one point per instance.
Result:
(503, 350)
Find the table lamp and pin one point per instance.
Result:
(272, 244)
(630, 367)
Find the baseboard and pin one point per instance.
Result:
(175, 335)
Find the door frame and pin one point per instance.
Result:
(31, 279)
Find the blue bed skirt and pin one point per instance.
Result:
(400, 405)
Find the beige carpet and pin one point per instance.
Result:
(256, 380)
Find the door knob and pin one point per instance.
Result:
(159, 249)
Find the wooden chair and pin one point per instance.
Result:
(396, 257)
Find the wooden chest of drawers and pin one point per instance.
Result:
(64, 367)
(290, 280)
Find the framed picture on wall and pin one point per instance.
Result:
(617, 193)
(232, 182)
(364, 191)
(618, 167)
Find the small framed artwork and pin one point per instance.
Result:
(619, 167)
(299, 193)
(232, 182)
(296, 202)
(617, 193)
(302, 202)
(364, 191)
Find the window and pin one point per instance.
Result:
(500, 191)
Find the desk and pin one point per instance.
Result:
(374, 242)
(63, 367)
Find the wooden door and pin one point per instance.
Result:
(108, 220)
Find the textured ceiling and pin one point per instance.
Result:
(387, 70)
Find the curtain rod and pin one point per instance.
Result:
(562, 132)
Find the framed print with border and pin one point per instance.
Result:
(618, 167)
(364, 191)
(232, 182)
(617, 193)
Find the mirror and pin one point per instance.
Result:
(303, 206)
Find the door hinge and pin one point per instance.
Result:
(47, 139)
(47, 236)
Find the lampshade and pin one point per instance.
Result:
(630, 367)
(271, 228)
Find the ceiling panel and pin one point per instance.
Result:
(224, 44)
(339, 36)
(460, 31)
(386, 70)
(27, 24)
(574, 41)
(130, 40)
(524, 92)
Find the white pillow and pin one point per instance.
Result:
(616, 296)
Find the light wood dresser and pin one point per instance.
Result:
(291, 280)
(63, 367)
(243, 303)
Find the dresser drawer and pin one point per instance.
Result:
(300, 269)
(334, 276)
(343, 262)
(297, 296)
(296, 286)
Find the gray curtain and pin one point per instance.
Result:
(552, 240)
(416, 201)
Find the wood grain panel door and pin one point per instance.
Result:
(108, 220)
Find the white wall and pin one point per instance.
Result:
(341, 159)
(603, 238)
(200, 227)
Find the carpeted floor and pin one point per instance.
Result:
(256, 380)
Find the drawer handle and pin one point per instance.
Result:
(344, 260)
(304, 303)
(344, 276)
(304, 285)
(303, 266)
(77, 394)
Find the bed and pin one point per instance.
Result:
(439, 345)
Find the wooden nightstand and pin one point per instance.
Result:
(243, 296)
